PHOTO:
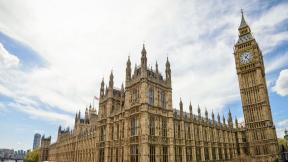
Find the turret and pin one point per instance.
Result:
(79, 115)
(181, 108)
(128, 70)
(168, 71)
(86, 115)
(224, 121)
(102, 88)
(199, 112)
(230, 120)
(59, 129)
(206, 114)
(111, 82)
(191, 111)
(143, 61)
(236, 122)
(218, 117)
(213, 118)
(157, 71)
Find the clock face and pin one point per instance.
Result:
(245, 57)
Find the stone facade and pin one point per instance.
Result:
(137, 123)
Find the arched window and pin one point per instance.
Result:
(151, 96)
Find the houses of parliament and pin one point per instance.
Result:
(137, 123)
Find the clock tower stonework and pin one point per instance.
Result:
(261, 134)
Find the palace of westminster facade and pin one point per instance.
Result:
(138, 124)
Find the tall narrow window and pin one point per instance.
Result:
(162, 99)
(165, 153)
(102, 133)
(152, 153)
(189, 154)
(117, 131)
(101, 154)
(134, 126)
(189, 132)
(164, 127)
(178, 154)
(134, 95)
(151, 96)
(152, 126)
(134, 153)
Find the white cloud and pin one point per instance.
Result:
(83, 41)
(42, 114)
(281, 85)
(276, 63)
(280, 127)
(7, 60)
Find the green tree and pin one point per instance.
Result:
(33, 156)
(283, 142)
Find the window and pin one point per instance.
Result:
(134, 153)
(102, 133)
(198, 153)
(117, 131)
(151, 96)
(178, 154)
(206, 152)
(152, 153)
(162, 99)
(134, 95)
(134, 126)
(165, 153)
(188, 136)
(152, 126)
(164, 127)
(101, 154)
(189, 154)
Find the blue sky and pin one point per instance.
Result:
(52, 63)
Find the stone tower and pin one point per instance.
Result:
(262, 139)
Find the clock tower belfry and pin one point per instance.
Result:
(261, 134)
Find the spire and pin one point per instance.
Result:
(230, 120)
(128, 69)
(218, 117)
(157, 68)
(143, 58)
(206, 113)
(143, 52)
(102, 88)
(224, 121)
(59, 129)
(243, 22)
(181, 108)
(213, 118)
(122, 88)
(168, 71)
(190, 110)
(244, 30)
(236, 122)
(111, 82)
(199, 111)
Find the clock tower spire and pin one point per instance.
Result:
(262, 139)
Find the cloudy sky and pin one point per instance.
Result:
(53, 55)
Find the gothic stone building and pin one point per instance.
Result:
(138, 124)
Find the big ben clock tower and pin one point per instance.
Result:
(261, 134)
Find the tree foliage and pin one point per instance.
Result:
(33, 156)
(283, 142)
